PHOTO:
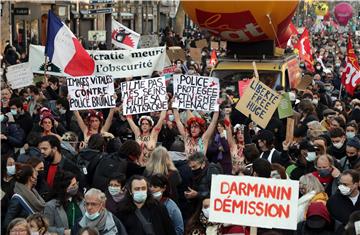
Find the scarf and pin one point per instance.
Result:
(32, 197)
(98, 223)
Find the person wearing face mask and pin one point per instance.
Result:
(326, 173)
(7, 182)
(347, 199)
(21, 117)
(351, 130)
(159, 187)
(97, 216)
(141, 213)
(26, 200)
(169, 131)
(115, 192)
(67, 205)
(352, 157)
(338, 139)
(310, 190)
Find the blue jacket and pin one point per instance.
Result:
(175, 216)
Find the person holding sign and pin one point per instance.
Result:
(147, 134)
(94, 123)
(236, 142)
(196, 135)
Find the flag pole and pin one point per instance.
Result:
(341, 87)
(45, 68)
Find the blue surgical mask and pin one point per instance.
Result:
(350, 135)
(10, 170)
(114, 190)
(310, 156)
(140, 196)
(171, 118)
(92, 216)
(13, 112)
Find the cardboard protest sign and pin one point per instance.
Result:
(92, 92)
(304, 82)
(214, 45)
(147, 41)
(19, 75)
(242, 85)
(246, 200)
(118, 63)
(143, 96)
(259, 101)
(290, 125)
(285, 109)
(176, 54)
(195, 54)
(196, 92)
(201, 43)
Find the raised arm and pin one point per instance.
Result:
(156, 129)
(133, 126)
(210, 130)
(179, 124)
(80, 122)
(108, 121)
(228, 128)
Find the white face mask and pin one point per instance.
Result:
(315, 101)
(338, 145)
(157, 195)
(205, 211)
(339, 108)
(344, 190)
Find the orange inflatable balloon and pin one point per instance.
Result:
(242, 21)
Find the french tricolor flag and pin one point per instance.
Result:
(65, 50)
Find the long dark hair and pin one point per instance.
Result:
(62, 181)
(194, 221)
(128, 205)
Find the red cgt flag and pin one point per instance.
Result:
(303, 47)
(350, 77)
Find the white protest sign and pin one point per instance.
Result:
(143, 96)
(246, 200)
(19, 75)
(196, 92)
(97, 36)
(37, 62)
(118, 63)
(92, 92)
(147, 41)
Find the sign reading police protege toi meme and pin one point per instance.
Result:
(254, 201)
(91, 92)
(196, 92)
(259, 101)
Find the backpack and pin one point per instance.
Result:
(87, 161)
(107, 167)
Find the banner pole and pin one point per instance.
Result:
(341, 87)
(253, 230)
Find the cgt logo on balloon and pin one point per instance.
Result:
(228, 25)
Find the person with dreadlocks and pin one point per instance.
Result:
(196, 135)
(94, 123)
(147, 134)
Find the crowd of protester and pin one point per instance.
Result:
(100, 172)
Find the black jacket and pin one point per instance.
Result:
(337, 153)
(25, 122)
(341, 207)
(15, 137)
(202, 182)
(156, 214)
